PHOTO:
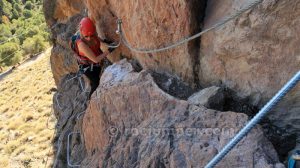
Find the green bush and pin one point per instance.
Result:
(6, 8)
(18, 7)
(15, 14)
(34, 45)
(24, 27)
(27, 14)
(4, 32)
(9, 53)
(28, 5)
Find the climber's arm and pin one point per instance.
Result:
(109, 43)
(82, 47)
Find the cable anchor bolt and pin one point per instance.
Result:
(119, 22)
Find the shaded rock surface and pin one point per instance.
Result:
(255, 54)
(212, 97)
(172, 85)
(70, 103)
(131, 122)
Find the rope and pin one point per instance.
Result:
(219, 24)
(257, 118)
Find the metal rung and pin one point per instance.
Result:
(68, 150)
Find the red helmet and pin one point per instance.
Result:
(87, 27)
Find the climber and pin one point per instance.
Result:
(90, 58)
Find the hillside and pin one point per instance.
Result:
(23, 31)
(26, 118)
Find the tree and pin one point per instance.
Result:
(28, 5)
(7, 53)
(34, 44)
(18, 7)
(4, 32)
(27, 13)
(15, 14)
(6, 8)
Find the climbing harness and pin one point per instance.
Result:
(257, 118)
(217, 25)
(78, 76)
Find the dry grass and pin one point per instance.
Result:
(25, 105)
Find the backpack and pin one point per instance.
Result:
(72, 43)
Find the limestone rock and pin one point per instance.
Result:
(131, 122)
(255, 54)
(70, 103)
(212, 97)
(154, 24)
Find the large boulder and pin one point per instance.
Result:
(131, 122)
(255, 54)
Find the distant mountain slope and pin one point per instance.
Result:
(25, 107)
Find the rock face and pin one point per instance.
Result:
(62, 17)
(154, 24)
(131, 122)
(212, 97)
(255, 54)
(70, 103)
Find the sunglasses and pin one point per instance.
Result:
(88, 36)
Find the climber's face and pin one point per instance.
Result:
(88, 38)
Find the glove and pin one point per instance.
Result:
(111, 49)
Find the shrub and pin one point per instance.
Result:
(34, 45)
(4, 32)
(27, 13)
(4, 19)
(15, 14)
(28, 5)
(18, 7)
(6, 8)
(10, 53)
